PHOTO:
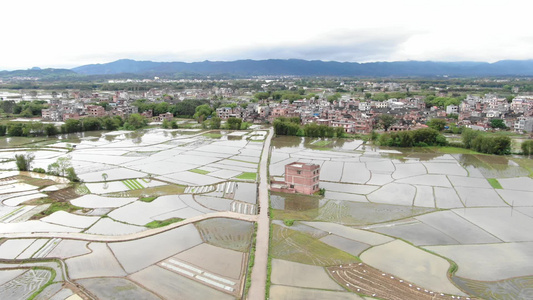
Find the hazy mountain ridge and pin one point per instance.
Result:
(243, 68)
(49, 73)
(314, 68)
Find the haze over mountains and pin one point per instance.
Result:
(296, 67)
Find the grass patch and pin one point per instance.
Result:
(157, 224)
(247, 176)
(251, 261)
(495, 183)
(44, 286)
(147, 199)
(212, 135)
(133, 184)
(288, 222)
(203, 172)
(299, 247)
(57, 206)
(453, 150)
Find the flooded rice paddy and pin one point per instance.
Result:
(445, 206)
(131, 179)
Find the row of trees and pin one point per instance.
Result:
(185, 108)
(134, 121)
(414, 138)
(481, 142)
(291, 126)
(25, 109)
(61, 167)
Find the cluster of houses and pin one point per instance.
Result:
(361, 116)
(354, 115)
(62, 110)
(476, 112)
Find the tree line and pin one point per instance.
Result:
(291, 126)
(481, 142)
(26, 109)
(413, 138)
(26, 129)
(185, 108)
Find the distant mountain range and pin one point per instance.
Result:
(51, 74)
(314, 68)
(298, 67)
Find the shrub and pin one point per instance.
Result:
(24, 161)
(527, 147)
(39, 170)
(288, 222)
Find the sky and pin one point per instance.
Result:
(67, 34)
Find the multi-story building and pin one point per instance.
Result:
(302, 178)
(95, 111)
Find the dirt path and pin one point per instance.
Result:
(259, 270)
(128, 237)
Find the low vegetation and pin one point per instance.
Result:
(291, 126)
(55, 207)
(247, 176)
(203, 172)
(157, 224)
(147, 199)
(495, 183)
(415, 138)
(484, 143)
(288, 222)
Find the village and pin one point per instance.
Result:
(357, 113)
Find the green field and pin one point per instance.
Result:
(133, 184)
(494, 183)
(203, 172)
(247, 176)
(157, 224)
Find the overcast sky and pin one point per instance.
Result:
(57, 33)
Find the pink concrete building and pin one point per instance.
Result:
(302, 178)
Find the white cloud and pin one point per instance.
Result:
(61, 33)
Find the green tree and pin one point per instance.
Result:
(437, 124)
(262, 95)
(498, 123)
(50, 129)
(214, 123)
(234, 123)
(527, 147)
(24, 161)
(202, 112)
(135, 121)
(333, 97)
(60, 166)
(72, 125)
(468, 136)
(91, 124)
(112, 123)
(71, 174)
(14, 129)
(26, 113)
(386, 121)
